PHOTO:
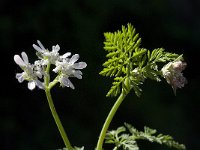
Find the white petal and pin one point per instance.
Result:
(66, 82)
(78, 74)
(20, 77)
(19, 61)
(37, 48)
(25, 57)
(56, 48)
(39, 84)
(80, 65)
(66, 55)
(31, 85)
(71, 85)
(40, 44)
(74, 58)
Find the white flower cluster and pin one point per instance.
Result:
(172, 72)
(65, 67)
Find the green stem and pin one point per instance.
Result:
(47, 77)
(109, 119)
(57, 120)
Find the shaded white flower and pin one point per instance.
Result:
(67, 67)
(49, 56)
(172, 72)
(28, 73)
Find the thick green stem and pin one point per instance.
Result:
(108, 120)
(57, 120)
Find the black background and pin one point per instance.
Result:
(78, 26)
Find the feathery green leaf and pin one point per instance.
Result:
(127, 139)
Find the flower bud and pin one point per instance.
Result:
(172, 72)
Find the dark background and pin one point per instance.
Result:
(78, 26)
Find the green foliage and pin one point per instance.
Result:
(129, 64)
(127, 139)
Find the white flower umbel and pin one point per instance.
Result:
(40, 70)
(28, 73)
(67, 67)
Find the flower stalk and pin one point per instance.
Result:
(38, 75)
(53, 109)
(57, 120)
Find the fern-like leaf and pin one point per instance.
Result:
(122, 47)
(150, 135)
(115, 89)
(125, 57)
(159, 55)
(127, 139)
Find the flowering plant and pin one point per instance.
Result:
(128, 63)
(65, 68)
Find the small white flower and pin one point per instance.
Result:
(25, 65)
(53, 55)
(67, 67)
(28, 73)
(49, 56)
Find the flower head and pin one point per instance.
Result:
(65, 67)
(172, 72)
(49, 56)
(28, 72)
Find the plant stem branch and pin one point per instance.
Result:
(109, 119)
(57, 120)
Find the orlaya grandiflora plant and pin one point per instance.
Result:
(38, 75)
(128, 63)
